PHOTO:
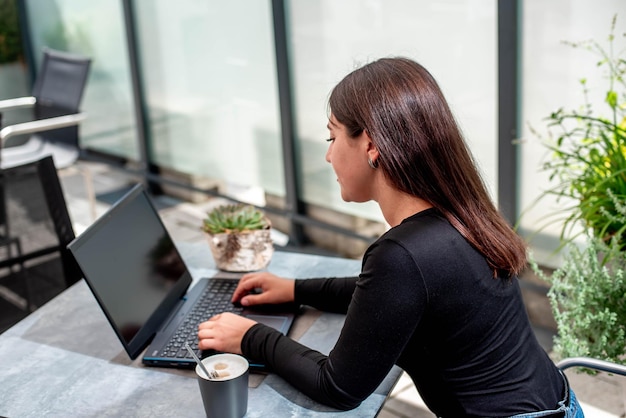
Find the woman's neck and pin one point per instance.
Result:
(396, 206)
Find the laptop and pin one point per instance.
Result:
(142, 284)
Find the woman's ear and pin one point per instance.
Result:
(372, 150)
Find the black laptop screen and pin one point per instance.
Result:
(133, 275)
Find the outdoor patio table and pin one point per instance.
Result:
(65, 360)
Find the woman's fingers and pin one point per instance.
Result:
(223, 332)
(246, 284)
(272, 289)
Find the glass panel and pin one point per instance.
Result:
(13, 74)
(211, 90)
(331, 38)
(13, 84)
(95, 29)
(551, 79)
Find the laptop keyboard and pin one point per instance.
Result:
(215, 299)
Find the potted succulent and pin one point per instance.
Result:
(239, 237)
(588, 154)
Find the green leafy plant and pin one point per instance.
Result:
(10, 40)
(588, 300)
(234, 218)
(588, 153)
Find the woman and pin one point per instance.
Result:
(438, 292)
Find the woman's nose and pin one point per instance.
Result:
(328, 153)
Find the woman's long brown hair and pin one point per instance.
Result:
(423, 153)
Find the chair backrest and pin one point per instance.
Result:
(37, 215)
(61, 80)
(59, 90)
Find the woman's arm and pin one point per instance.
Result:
(330, 294)
(387, 304)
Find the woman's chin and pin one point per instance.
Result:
(350, 198)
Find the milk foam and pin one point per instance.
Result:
(228, 366)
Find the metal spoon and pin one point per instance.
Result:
(212, 374)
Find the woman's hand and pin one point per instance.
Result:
(223, 332)
(273, 289)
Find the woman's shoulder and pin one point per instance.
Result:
(425, 235)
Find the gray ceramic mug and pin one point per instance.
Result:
(225, 395)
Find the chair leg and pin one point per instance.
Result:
(30, 306)
(26, 302)
(91, 192)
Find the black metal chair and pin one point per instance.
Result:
(592, 364)
(55, 101)
(37, 219)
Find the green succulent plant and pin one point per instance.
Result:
(234, 218)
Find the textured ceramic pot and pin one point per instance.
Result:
(242, 251)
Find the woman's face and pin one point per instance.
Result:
(348, 157)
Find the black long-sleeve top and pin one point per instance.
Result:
(427, 301)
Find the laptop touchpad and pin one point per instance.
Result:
(277, 322)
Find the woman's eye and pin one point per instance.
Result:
(330, 139)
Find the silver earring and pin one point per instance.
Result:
(373, 164)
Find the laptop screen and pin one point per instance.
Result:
(133, 268)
